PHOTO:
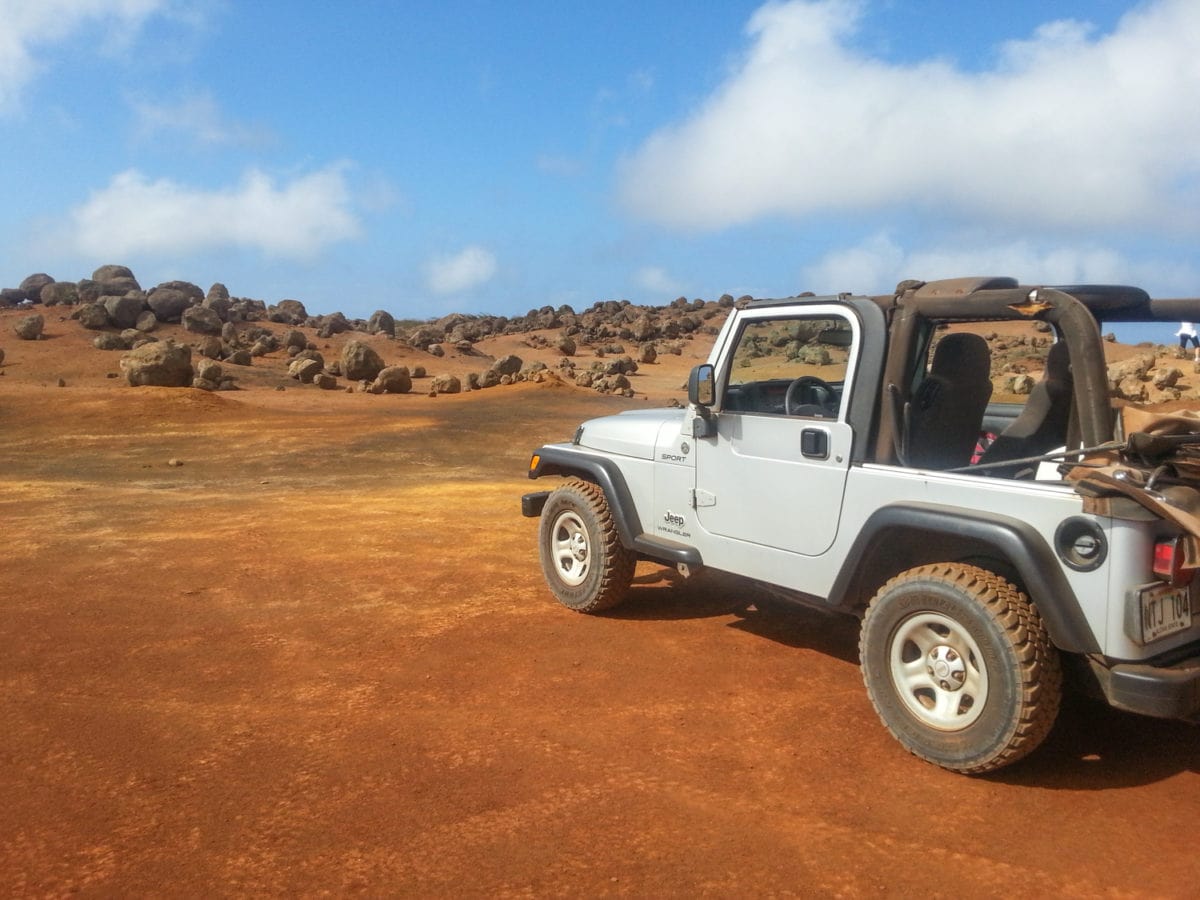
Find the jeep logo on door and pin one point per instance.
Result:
(671, 519)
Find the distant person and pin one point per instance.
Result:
(1186, 334)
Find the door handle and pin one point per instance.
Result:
(814, 443)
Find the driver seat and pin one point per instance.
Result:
(946, 411)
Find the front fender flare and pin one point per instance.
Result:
(562, 460)
(552, 460)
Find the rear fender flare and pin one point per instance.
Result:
(900, 536)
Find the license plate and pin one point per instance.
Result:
(1165, 610)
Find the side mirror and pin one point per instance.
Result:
(702, 386)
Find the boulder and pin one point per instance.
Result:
(381, 322)
(507, 365)
(168, 304)
(1132, 388)
(116, 287)
(1166, 377)
(612, 384)
(334, 323)
(644, 329)
(309, 353)
(32, 286)
(219, 305)
(392, 380)
(304, 369)
(287, 312)
(123, 311)
(1021, 385)
(146, 322)
(201, 320)
(424, 336)
(92, 316)
(109, 272)
(10, 297)
(87, 291)
(325, 381)
(1135, 368)
(193, 291)
(159, 364)
(29, 328)
(445, 384)
(209, 346)
(110, 341)
(209, 370)
(294, 338)
(622, 365)
(360, 362)
(240, 357)
(60, 293)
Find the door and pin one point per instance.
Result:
(775, 471)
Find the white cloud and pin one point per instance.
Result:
(135, 214)
(879, 263)
(469, 268)
(26, 26)
(656, 280)
(195, 117)
(1065, 130)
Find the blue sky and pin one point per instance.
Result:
(496, 157)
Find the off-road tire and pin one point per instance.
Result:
(958, 664)
(583, 560)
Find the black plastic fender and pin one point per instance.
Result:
(900, 536)
(562, 460)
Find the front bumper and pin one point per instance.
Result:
(1166, 691)
(531, 504)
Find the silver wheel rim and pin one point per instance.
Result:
(938, 671)
(569, 548)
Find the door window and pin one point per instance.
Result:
(790, 366)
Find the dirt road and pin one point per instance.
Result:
(317, 657)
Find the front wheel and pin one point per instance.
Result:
(584, 562)
(959, 666)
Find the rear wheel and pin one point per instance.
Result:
(959, 666)
(584, 562)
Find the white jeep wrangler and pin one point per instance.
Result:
(831, 450)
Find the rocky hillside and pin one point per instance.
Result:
(598, 348)
(177, 334)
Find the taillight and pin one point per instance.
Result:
(1169, 562)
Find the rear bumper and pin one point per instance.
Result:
(1170, 691)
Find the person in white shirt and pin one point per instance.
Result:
(1187, 334)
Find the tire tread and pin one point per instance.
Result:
(618, 561)
(1037, 659)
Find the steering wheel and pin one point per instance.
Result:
(792, 408)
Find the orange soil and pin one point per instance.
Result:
(318, 657)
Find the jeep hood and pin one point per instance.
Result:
(633, 433)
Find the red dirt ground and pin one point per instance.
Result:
(318, 657)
